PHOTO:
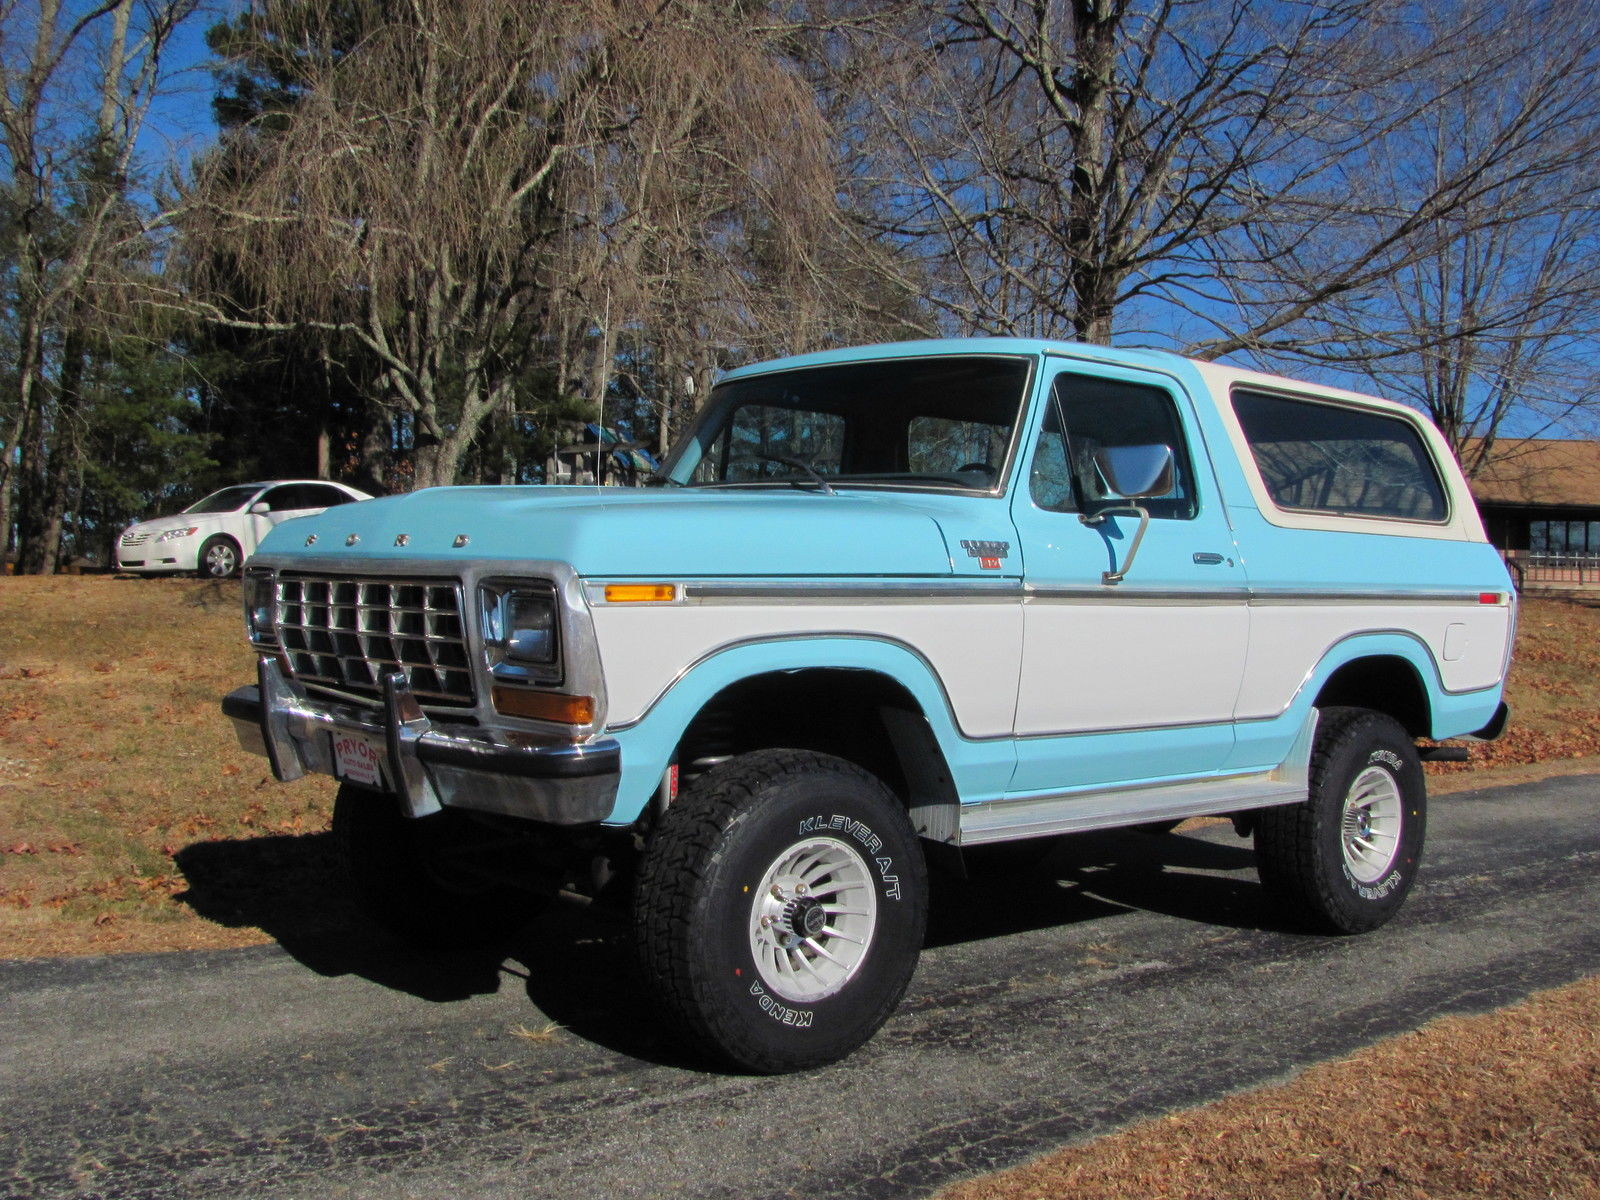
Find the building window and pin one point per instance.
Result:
(1568, 538)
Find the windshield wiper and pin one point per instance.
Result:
(798, 464)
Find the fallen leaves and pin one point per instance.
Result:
(1502, 1105)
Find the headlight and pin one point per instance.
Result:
(521, 632)
(173, 535)
(261, 607)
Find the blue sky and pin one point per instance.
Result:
(180, 121)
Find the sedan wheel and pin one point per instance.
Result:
(219, 558)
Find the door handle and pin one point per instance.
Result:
(1207, 559)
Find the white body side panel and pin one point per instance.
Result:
(1287, 641)
(974, 648)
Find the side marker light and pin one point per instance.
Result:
(641, 593)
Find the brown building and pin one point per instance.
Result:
(1541, 496)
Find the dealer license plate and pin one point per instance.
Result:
(358, 758)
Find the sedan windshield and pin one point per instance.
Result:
(227, 500)
(944, 422)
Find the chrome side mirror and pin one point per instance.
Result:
(1130, 473)
(1135, 472)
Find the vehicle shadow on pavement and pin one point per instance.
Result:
(1031, 885)
(581, 973)
(574, 962)
(292, 889)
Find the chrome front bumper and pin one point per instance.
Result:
(429, 766)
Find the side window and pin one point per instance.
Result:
(320, 496)
(1050, 479)
(1337, 459)
(280, 499)
(1100, 413)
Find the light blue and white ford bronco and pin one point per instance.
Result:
(887, 603)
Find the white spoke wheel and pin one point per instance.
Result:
(813, 918)
(780, 908)
(1369, 828)
(1344, 860)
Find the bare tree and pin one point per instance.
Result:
(1062, 162)
(1487, 308)
(75, 90)
(1215, 176)
(472, 189)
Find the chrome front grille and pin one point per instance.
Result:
(135, 539)
(344, 635)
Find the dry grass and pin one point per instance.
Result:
(1504, 1106)
(1554, 690)
(115, 759)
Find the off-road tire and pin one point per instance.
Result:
(713, 871)
(219, 558)
(1309, 854)
(402, 876)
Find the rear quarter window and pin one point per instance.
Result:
(1341, 460)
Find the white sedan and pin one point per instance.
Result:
(215, 535)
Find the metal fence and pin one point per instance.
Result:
(1529, 569)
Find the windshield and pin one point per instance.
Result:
(227, 500)
(911, 422)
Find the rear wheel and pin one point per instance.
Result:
(1344, 859)
(780, 909)
(421, 878)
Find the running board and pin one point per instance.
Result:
(1078, 812)
(1111, 808)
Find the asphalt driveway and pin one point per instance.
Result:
(1124, 976)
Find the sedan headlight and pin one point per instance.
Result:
(521, 632)
(172, 535)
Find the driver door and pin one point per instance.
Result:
(1133, 647)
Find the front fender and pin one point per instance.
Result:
(980, 767)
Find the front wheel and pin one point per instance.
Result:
(219, 558)
(1343, 860)
(780, 909)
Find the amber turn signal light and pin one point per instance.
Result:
(543, 706)
(640, 593)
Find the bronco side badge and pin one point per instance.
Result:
(989, 554)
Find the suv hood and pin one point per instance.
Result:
(615, 532)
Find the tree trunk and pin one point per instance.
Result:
(30, 482)
(375, 442)
(1095, 58)
(435, 461)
